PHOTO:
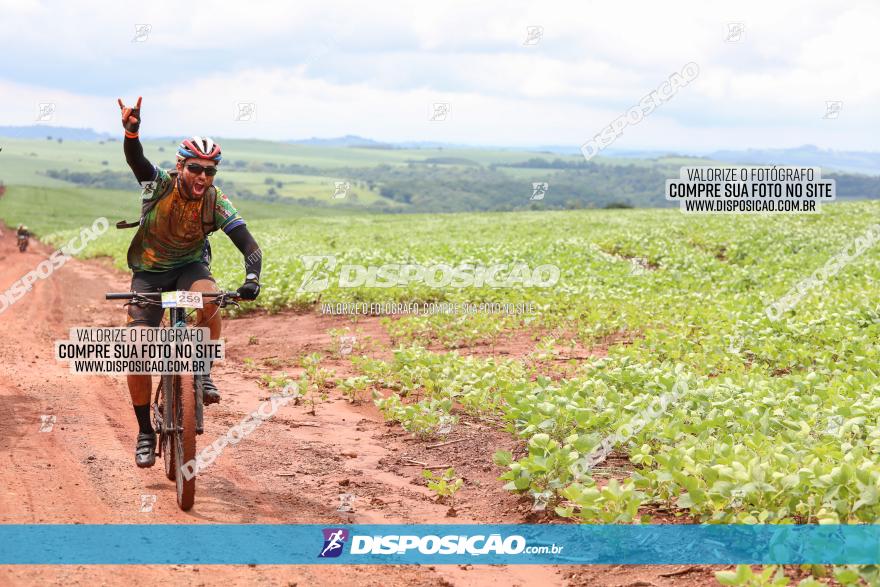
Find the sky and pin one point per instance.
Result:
(509, 73)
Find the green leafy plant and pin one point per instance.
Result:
(355, 388)
(314, 381)
(546, 349)
(274, 381)
(425, 419)
(445, 485)
(771, 576)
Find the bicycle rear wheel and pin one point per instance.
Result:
(185, 439)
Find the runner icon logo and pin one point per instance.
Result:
(334, 541)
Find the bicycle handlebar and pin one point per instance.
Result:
(130, 295)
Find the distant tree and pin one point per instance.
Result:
(105, 163)
(60, 140)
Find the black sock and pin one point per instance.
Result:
(143, 416)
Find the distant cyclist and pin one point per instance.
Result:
(170, 250)
(23, 235)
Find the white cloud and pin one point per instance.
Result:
(321, 68)
(21, 104)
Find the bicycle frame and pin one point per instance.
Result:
(177, 410)
(176, 319)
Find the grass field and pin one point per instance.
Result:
(390, 180)
(25, 159)
(302, 186)
(734, 449)
(47, 210)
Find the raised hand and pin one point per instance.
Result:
(131, 117)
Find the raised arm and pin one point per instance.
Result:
(134, 152)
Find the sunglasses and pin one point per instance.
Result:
(210, 170)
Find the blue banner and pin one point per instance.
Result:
(437, 544)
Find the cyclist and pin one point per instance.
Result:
(23, 234)
(170, 250)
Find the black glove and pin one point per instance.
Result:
(249, 291)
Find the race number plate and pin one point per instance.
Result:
(182, 299)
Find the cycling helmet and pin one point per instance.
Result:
(199, 148)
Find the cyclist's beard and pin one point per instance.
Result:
(187, 190)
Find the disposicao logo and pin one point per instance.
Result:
(451, 544)
(334, 541)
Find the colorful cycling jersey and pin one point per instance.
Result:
(171, 234)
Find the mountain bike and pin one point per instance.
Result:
(178, 408)
(22, 243)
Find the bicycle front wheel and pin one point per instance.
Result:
(185, 440)
(166, 398)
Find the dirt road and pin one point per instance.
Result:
(66, 443)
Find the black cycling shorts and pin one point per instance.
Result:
(180, 278)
